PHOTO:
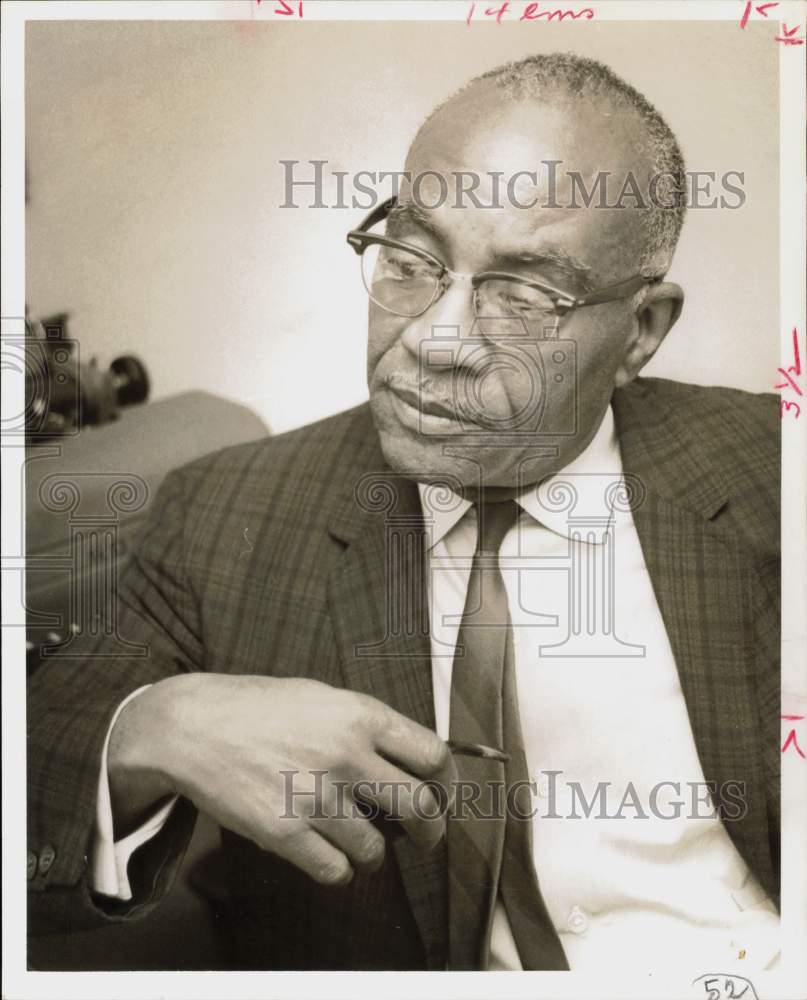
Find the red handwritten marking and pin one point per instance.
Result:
(786, 38)
(796, 357)
(529, 13)
(791, 737)
(789, 382)
(789, 39)
(490, 12)
(287, 10)
(761, 8)
(783, 385)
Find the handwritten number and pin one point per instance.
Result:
(499, 14)
(714, 994)
(788, 379)
(796, 369)
(789, 382)
(730, 990)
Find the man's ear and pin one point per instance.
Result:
(654, 319)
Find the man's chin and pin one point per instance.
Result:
(435, 462)
(464, 460)
(418, 457)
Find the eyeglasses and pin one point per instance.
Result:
(406, 281)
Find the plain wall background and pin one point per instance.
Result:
(155, 188)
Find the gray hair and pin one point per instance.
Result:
(563, 76)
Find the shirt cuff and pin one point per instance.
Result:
(109, 861)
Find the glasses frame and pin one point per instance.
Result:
(563, 302)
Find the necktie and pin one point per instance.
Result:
(489, 833)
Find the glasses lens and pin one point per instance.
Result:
(398, 280)
(500, 298)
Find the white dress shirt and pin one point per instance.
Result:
(600, 702)
(109, 859)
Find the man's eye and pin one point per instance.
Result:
(409, 268)
(515, 300)
(514, 303)
(520, 302)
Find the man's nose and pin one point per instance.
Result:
(450, 318)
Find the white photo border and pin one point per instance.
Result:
(790, 982)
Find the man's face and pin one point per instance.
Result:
(447, 400)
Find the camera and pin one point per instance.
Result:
(62, 395)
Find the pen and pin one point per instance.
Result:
(477, 750)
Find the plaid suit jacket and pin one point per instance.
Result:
(311, 589)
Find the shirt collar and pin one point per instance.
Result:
(590, 475)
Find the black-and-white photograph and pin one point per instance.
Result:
(402, 411)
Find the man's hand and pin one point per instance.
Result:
(224, 742)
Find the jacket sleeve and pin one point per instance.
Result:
(71, 700)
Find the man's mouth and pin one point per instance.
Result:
(418, 401)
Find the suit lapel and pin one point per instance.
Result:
(702, 581)
(703, 578)
(380, 617)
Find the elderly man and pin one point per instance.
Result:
(523, 606)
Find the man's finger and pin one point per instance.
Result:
(356, 837)
(415, 748)
(308, 850)
(407, 799)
